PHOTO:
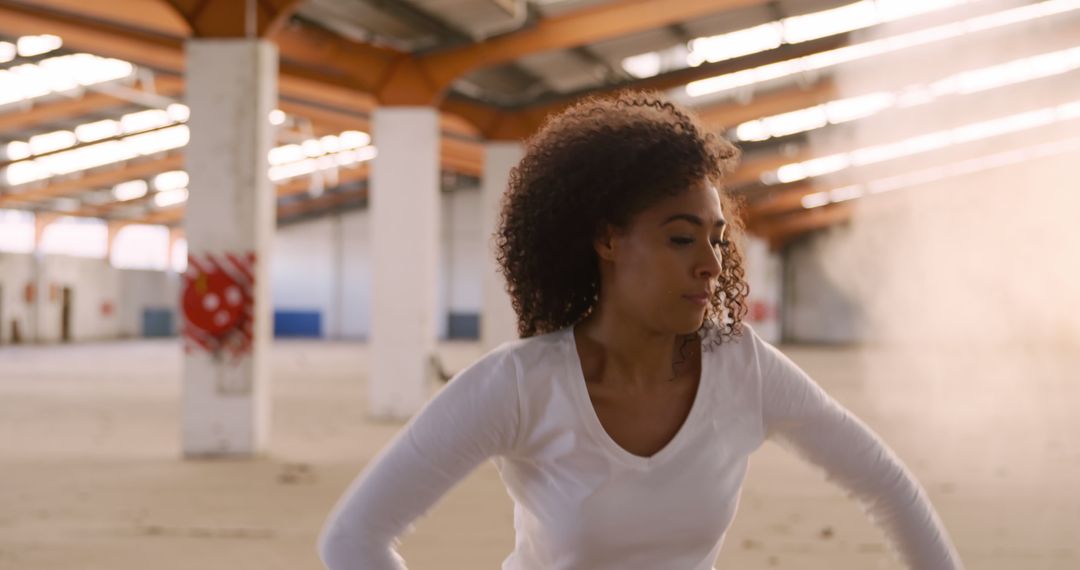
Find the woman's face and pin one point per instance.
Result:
(663, 268)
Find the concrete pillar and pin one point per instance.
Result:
(42, 221)
(113, 228)
(175, 235)
(405, 219)
(225, 303)
(498, 323)
(39, 283)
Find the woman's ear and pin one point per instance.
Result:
(604, 242)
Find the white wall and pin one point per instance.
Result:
(324, 265)
(16, 272)
(355, 293)
(763, 275)
(143, 289)
(465, 248)
(301, 268)
(817, 307)
(321, 265)
(93, 284)
(105, 302)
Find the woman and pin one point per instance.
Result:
(622, 420)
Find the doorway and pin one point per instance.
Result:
(65, 315)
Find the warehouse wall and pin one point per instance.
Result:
(320, 270)
(355, 291)
(465, 249)
(302, 268)
(105, 302)
(143, 291)
(763, 274)
(95, 290)
(817, 308)
(320, 267)
(323, 267)
(16, 272)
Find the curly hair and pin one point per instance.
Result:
(602, 161)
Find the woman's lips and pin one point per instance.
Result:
(701, 299)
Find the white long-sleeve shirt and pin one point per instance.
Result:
(583, 502)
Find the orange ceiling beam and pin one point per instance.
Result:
(89, 102)
(773, 201)
(327, 70)
(459, 155)
(424, 80)
(56, 110)
(330, 56)
(589, 25)
(751, 169)
(728, 115)
(165, 53)
(456, 155)
(682, 77)
(302, 185)
(228, 18)
(400, 79)
(780, 230)
(96, 178)
(167, 216)
(321, 67)
(320, 203)
(150, 15)
(516, 124)
(146, 48)
(491, 122)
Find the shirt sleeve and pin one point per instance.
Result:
(799, 415)
(474, 417)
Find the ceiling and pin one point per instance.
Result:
(497, 68)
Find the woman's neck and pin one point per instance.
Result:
(626, 353)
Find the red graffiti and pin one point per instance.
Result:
(217, 303)
(760, 311)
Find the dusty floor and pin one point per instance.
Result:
(90, 475)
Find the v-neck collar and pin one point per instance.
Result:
(580, 394)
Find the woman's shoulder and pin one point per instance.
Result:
(747, 358)
(746, 347)
(502, 385)
(538, 349)
(513, 358)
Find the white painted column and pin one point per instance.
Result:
(405, 218)
(225, 300)
(40, 304)
(498, 323)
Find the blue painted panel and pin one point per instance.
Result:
(463, 326)
(157, 322)
(304, 324)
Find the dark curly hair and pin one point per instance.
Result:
(602, 161)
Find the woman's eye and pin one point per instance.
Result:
(687, 241)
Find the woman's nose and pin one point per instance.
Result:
(710, 266)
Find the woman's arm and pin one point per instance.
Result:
(471, 419)
(800, 415)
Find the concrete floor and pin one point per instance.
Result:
(90, 475)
